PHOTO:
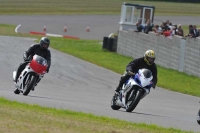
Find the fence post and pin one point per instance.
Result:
(182, 56)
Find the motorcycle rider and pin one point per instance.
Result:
(40, 49)
(147, 61)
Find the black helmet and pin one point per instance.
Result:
(44, 43)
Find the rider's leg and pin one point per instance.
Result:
(123, 79)
(20, 69)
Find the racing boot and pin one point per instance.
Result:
(119, 87)
(16, 91)
(117, 90)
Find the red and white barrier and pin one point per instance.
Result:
(54, 35)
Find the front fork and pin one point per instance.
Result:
(38, 79)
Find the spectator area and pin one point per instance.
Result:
(175, 53)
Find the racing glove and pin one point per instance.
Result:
(25, 57)
(130, 73)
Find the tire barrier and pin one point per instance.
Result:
(110, 44)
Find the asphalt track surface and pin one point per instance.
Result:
(81, 86)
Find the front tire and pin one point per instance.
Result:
(29, 84)
(131, 106)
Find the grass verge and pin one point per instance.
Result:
(22, 118)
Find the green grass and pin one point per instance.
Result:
(22, 118)
(92, 7)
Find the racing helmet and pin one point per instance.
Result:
(44, 42)
(149, 57)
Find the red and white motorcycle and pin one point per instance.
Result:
(32, 73)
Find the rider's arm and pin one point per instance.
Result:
(132, 66)
(29, 52)
(48, 57)
(154, 72)
(129, 67)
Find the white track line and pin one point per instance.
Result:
(17, 28)
(55, 35)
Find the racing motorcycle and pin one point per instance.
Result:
(29, 77)
(133, 90)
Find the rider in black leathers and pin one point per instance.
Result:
(40, 49)
(147, 61)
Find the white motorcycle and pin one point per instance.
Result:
(135, 88)
(198, 117)
(32, 73)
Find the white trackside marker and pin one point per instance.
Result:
(17, 28)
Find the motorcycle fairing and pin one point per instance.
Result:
(143, 80)
(38, 64)
(24, 73)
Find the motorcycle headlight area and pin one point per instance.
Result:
(40, 60)
(38, 64)
(144, 77)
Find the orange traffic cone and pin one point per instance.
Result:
(45, 28)
(88, 28)
(65, 28)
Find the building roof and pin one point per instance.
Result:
(138, 5)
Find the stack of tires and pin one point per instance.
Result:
(110, 44)
(105, 42)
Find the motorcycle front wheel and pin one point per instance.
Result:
(132, 103)
(29, 84)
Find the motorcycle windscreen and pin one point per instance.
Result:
(145, 77)
(38, 64)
